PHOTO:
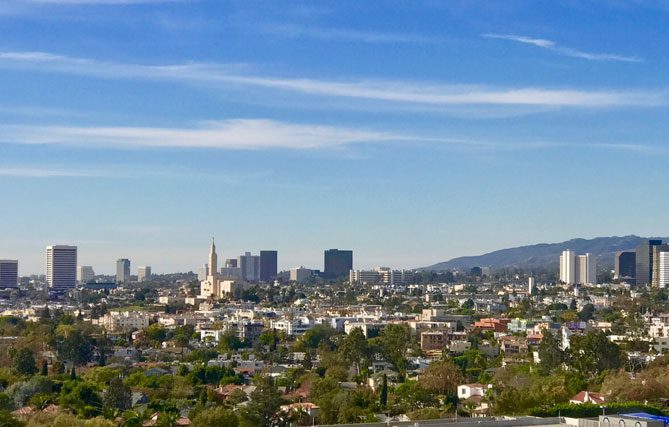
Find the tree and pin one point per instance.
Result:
(230, 341)
(411, 395)
(183, 335)
(354, 348)
(216, 416)
(24, 362)
(81, 397)
(270, 339)
(442, 377)
(551, 356)
(593, 353)
(264, 403)
(73, 345)
(587, 312)
(394, 341)
(156, 334)
(118, 395)
(316, 336)
(383, 397)
(307, 362)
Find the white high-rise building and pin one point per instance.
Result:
(568, 267)
(664, 270)
(9, 273)
(61, 267)
(203, 272)
(586, 272)
(143, 273)
(577, 269)
(531, 284)
(85, 274)
(123, 271)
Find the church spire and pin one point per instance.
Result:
(213, 260)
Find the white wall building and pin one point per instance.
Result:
(587, 271)
(465, 391)
(568, 267)
(61, 267)
(663, 279)
(123, 321)
(577, 269)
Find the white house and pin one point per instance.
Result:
(465, 391)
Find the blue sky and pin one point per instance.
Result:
(410, 132)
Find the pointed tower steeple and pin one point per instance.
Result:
(213, 260)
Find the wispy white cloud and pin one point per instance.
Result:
(254, 134)
(344, 34)
(240, 134)
(47, 172)
(566, 51)
(400, 92)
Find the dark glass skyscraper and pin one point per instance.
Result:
(9, 273)
(337, 263)
(268, 265)
(644, 262)
(625, 265)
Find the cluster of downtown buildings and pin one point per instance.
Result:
(63, 272)
(237, 275)
(648, 264)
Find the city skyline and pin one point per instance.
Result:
(411, 133)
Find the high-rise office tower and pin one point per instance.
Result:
(250, 266)
(123, 271)
(644, 262)
(143, 273)
(663, 270)
(231, 263)
(655, 273)
(337, 263)
(9, 273)
(85, 274)
(268, 265)
(577, 269)
(203, 272)
(568, 267)
(61, 267)
(625, 266)
(586, 270)
(531, 283)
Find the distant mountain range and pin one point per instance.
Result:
(546, 255)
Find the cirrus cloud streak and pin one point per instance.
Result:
(409, 93)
